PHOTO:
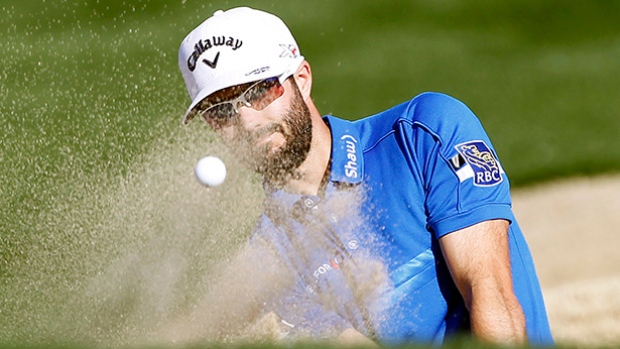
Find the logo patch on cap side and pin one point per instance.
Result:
(483, 165)
(289, 51)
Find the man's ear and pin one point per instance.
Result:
(303, 78)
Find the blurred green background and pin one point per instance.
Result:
(90, 93)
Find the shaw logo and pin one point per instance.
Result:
(351, 168)
(204, 45)
(486, 168)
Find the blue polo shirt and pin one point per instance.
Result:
(365, 253)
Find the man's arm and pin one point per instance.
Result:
(479, 261)
(351, 337)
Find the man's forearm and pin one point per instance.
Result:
(498, 320)
(479, 261)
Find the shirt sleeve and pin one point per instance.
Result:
(464, 181)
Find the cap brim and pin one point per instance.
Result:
(280, 72)
(189, 116)
(191, 111)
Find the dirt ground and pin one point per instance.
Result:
(572, 229)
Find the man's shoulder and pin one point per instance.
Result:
(435, 104)
(435, 98)
(433, 111)
(423, 106)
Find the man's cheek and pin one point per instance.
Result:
(275, 141)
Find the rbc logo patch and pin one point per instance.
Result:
(486, 168)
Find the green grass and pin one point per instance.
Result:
(460, 344)
(91, 99)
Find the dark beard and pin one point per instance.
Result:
(279, 166)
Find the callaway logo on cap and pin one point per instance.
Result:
(234, 47)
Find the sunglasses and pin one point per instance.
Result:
(258, 96)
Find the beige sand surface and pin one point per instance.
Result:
(572, 229)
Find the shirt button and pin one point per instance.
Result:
(309, 203)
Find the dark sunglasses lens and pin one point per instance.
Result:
(258, 97)
(219, 114)
(263, 94)
(258, 91)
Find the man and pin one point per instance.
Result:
(397, 227)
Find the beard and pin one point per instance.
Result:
(279, 165)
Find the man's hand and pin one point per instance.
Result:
(351, 337)
(479, 260)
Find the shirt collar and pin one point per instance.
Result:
(347, 157)
(347, 164)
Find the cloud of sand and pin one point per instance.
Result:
(129, 255)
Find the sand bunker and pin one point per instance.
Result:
(572, 229)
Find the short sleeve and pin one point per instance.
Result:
(463, 178)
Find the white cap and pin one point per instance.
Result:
(234, 47)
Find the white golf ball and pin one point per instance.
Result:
(210, 171)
